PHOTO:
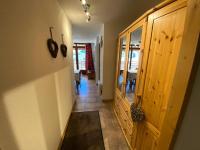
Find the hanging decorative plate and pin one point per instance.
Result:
(52, 45)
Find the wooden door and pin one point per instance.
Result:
(164, 36)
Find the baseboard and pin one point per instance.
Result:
(63, 135)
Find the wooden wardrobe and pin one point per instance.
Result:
(155, 58)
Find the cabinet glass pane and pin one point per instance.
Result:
(133, 63)
(122, 60)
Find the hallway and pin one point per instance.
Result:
(144, 56)
(89, 100)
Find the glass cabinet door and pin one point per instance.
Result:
(121, 63)
(133, 63)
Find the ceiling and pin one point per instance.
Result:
(102, 11)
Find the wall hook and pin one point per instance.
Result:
(50, 30)
(63, 47)
(62, 37)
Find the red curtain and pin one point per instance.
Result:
(89, 60)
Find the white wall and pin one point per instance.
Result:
(97, 62)
(36, 94)
(109, 54)
(94, 54)
(101, 54)
(111, 30)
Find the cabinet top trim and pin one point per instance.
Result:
(147, 13)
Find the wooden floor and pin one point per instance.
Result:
(89, 100)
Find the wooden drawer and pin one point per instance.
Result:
(123, 115)
(126, 108)
(116, 101)
(116, 104)
(133, 137)
(126, 125)
(129, 135)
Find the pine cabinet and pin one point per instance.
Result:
(148, 72)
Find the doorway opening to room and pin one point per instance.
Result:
(84, 70)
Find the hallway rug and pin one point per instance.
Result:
(83, 132)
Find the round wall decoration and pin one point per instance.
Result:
(52, 45)
(63, 47)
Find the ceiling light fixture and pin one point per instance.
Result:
(88, 19)
(87, 13)
(86, 8)
(83, 2)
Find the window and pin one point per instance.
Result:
(81, 58)
(74, 59)
(80, 65)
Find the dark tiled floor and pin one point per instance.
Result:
(89, 100)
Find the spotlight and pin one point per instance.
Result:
(83, 2)
(87, 13)
(86, 7)
(88, 19)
